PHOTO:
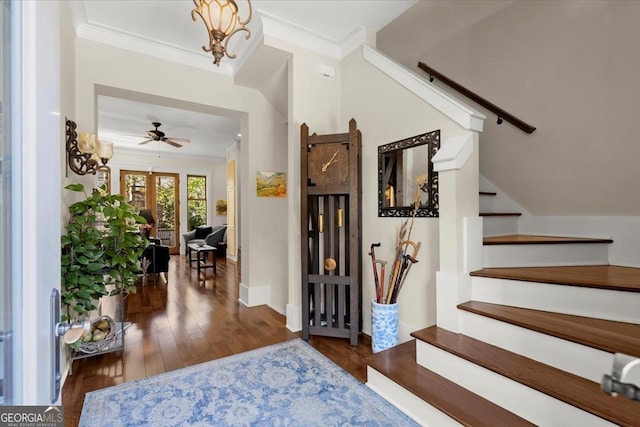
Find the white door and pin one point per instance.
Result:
(6, 312)
(32, 158)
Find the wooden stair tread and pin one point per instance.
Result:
(605, 335)
(500, 214)
(399, 364)
(593, 276)
(569, 388)
(525, 239)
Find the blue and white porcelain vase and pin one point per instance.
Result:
(384, 326)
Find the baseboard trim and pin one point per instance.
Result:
(252, 296)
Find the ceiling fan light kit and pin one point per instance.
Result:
(158, 135)
(222, 21)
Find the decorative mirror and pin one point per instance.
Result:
(405, 174)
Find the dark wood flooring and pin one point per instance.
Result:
(191, 319)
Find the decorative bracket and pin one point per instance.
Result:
(79, 162)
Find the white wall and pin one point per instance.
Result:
(387, 112)
(216, 189)
(266, 220)
(312, 99)
(103, 66)
(67, 105)
(567, 67)
(67, 110)
(623, 230)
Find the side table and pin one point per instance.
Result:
(202, 256)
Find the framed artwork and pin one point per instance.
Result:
(221, 207)
(271, 184)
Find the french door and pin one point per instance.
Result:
(159, 193)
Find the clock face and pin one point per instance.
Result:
(328, 164)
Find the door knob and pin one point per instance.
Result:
(71, 333)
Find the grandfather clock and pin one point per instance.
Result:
(331, 224)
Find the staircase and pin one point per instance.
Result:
(545, 317)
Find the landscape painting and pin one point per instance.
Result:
(271, 184)
(221, 207)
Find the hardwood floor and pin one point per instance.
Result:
(189, 320)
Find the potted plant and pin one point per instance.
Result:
(100, 251)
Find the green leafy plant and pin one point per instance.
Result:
(100, 251)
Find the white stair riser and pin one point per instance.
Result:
(486, 203)
(416, 408)
(586, 362)
(576, 300)
(499, 225)
(526, 402)
(545, 255)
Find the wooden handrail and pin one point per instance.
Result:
(502, 114)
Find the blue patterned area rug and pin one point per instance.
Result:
(286, 384)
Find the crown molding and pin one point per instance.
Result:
(262, 25)
(78, 14)
(295, 35)
(110, 36)
(356, 38)
(135, 43)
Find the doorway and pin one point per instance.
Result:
(159, 194)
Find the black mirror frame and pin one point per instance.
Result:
(431, 209)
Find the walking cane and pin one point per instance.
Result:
(379, 295)
(405, 273)
(409, 261)
(375, 270)
(403, 267)
(400, 252)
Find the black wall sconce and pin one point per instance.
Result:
(84, 151)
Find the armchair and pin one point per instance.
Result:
(156, 259)
(210, 235)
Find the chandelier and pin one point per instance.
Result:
(222, 21)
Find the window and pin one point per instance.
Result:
(135, 194)
(196, 201)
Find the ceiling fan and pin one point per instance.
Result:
(158, 135)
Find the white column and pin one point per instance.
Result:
(460, 226)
